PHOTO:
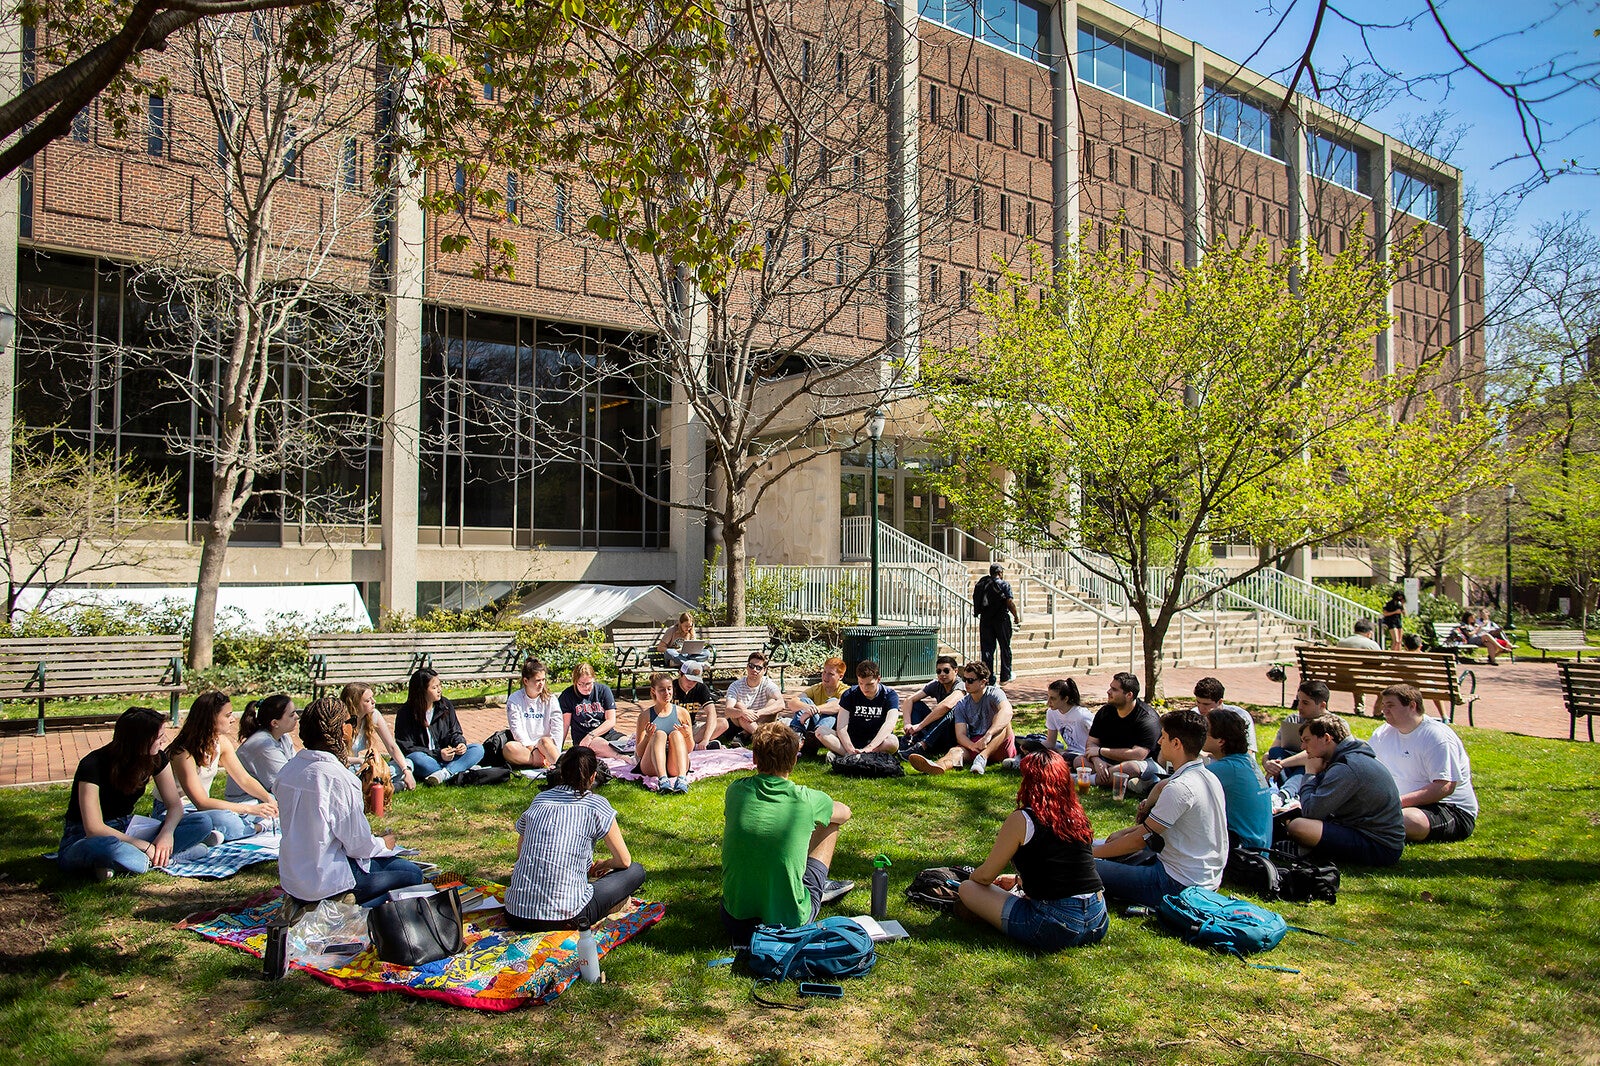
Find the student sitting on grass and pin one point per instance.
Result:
(1430, 768)
(557, 884)
(1055, 899)
(1349, 805)
(533, 719)
(777, 841)
(1246, 795)
(267, 742)
(204, 745)
(372, 734)
(983, 726)
(868, 712)
(328, 846)
(108, 784)
(430, 733)
(817, 708)
(929, 729)
(662, 738)
(752, 700)
(589, 712)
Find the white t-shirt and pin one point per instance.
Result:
(1071, 725)
(1195, 813)
(1431, 752)
(532, 719)
(754, 699)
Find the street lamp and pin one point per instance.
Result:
(1511, 492)
(875, 421)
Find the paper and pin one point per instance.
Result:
(888, 929)
(412, 890)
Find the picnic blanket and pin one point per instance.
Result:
(501, 969)
(702, 764)
(224, 860)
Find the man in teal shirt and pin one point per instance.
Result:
(777, 841)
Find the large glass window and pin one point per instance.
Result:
(1414, 195)
(1339, 162)
(106, 362)
(1236, 118)
(1116, 66)
(1019, 26)
(546, 431)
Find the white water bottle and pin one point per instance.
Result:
(588, 955)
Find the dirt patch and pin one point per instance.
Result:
(29, 920)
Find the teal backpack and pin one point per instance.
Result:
(818, 951)
(1211, 920)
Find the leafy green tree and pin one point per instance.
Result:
(1237, 403)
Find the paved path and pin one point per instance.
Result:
(1513, 697)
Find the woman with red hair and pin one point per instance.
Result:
(1055, 899)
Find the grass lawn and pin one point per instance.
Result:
(1483, 951)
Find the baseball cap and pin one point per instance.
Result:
(696, 670)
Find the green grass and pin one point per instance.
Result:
(1482, 951)
(111, 706)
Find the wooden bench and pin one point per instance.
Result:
(1580, 689)
(635, 656)
(51, 667)
(1443, 643)
(391, 658)
(1548, 640)
(731, 647)
(1356, 670)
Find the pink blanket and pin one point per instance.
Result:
(702, 764)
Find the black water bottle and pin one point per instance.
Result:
(275, 959)
(880, 887)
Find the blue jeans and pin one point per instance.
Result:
(382, 875)
(232, 826)
(79, 853)
(1276, 752)
(425, 765)
(1053, 924)
(1137, 884)
(937, 738)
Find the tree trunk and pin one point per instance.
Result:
(733, 538)
(1154, 634)
(213, 556)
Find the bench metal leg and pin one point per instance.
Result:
(38, 726)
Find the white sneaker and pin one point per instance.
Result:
(212, 839)
(979, 764)
(828, 757)
(1008, 764)
(438, 777)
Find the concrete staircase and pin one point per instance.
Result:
(1067, 643)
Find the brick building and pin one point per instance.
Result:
(1151, 140)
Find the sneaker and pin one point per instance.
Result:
(1008, 764)
(922, 764)
(713, 745)
(102, 873)
(836, 890)
(828, 757)
(438, 777)
(979, 764)
(532, 775)
(212, 839)
(681, 785)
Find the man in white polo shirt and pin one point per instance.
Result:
(1430, 768)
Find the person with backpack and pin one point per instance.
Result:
(777, 841)
(1055, 899)
(995, 609)
(1349, 804)
(1182, 839)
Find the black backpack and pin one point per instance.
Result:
(867, 764)
(980, 595)
(480, 775)
(938, 886)
(1281, 874)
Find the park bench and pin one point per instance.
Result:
(731, 647)
(48, 668)
(1356, 670)
(391, 658)
(635, 655)
(1548, 640)
(1442, 642)
(1580, 690)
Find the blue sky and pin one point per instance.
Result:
(1551, 31)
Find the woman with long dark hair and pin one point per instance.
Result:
(430, 734)
(266, 742)
(1055, 900)
(550, 886)
(108, 784)
(203, 746)
(328, 845)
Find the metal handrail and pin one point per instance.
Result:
(895, 547)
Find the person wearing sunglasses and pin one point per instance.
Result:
(753, 699)
(982, 726)
(930, 731)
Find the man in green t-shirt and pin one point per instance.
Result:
(777, 841)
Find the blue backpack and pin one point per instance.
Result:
(1211, 920)
(826, 950)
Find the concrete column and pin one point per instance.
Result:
(687, 478)
(1383, 243)
(1452, 216)
(1191, 110)
(10, 223)
(1065, 165)
(402, 386)
(1294, 144)
(905, 198)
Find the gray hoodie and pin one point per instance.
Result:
(1358, 792)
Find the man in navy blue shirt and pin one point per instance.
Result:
(868, 712)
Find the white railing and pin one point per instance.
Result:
(1326, 612)
(896, 548)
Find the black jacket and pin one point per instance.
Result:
(443, 732)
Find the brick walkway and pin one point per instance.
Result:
(1513, 697)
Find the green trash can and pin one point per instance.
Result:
(904, 653)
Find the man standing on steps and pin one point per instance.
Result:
(995, 610)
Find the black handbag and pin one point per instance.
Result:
(417, 930)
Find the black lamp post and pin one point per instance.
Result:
(1511, 621)
(875, 420)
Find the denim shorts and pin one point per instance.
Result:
(1053, 924)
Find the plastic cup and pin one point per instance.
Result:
(1085, 778)
(1119, 785)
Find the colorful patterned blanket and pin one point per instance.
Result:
(501, 969)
